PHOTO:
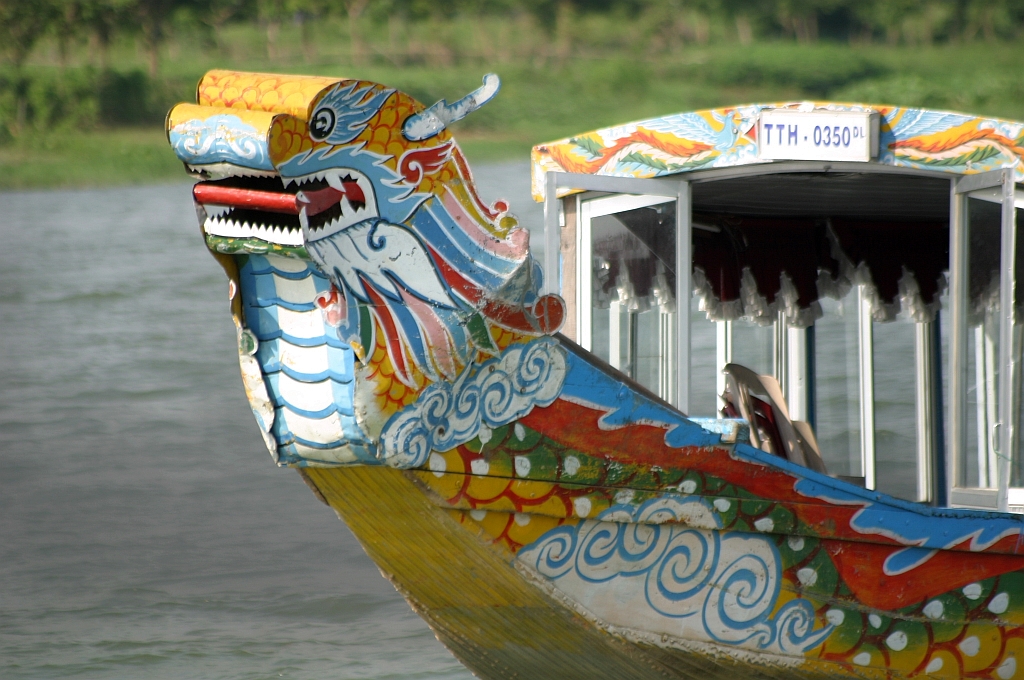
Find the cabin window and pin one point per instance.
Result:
(626, 313)
(986, 351)
(833, 283)
(837, 359)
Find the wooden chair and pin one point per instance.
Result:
(771, 428)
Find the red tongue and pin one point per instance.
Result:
(315, 202)
(321, 199)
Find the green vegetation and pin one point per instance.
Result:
(85, 84)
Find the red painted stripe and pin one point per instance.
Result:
(392, 337)
(469, 291)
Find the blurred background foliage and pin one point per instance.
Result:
(81, 79)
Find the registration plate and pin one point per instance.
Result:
(784, 134)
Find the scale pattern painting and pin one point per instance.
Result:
(545, 515)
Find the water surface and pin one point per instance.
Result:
(145, 531)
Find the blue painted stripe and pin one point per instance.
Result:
(349, 434)
(259, 264)
(341, 396)
(334, 343)
(338, 371)
(262, 321)
(289, 455)
(457, 235)
(284, 435)
(259, 289)
(625, 406)
(265, 284)
(428, 227)
(340, 364)
(262, 302)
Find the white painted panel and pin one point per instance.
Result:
(298, 292)
(306, 396)
(301, 324)
(307, 360)
(786, 134)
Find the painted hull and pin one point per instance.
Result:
(495, 618)
(545, 515)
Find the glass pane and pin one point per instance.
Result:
(633, 294)
(753, 346)
(1017, 466)
(703, 364)
(978, 466)
(896, 407)
(837, 388)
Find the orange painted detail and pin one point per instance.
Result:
(270, 92)
(861, 567)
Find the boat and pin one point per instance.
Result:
(569, 474)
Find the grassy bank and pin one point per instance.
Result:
(539, 101)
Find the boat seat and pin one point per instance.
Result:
(771, 428)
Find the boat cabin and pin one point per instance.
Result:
(841, 277)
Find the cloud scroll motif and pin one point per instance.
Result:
(492, 394)
(651, 568)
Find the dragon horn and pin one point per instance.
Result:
(429, 122)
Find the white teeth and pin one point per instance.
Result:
(223, 170)
(281, 236)
(334, 181)
(216, 224)
(214, 210)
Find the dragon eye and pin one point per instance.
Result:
(322, 124)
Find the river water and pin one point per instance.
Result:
(144, 530)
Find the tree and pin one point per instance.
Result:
(21, 26)
(354, 11)
(153, 18)
(214, 14)
(102, 19)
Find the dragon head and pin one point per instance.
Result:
(346, 215)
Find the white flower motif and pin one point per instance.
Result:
(933, 610)
(582, 506)
(999, 603)
(807, 577)
(897, 641)
(970, 646)
(972, 591)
